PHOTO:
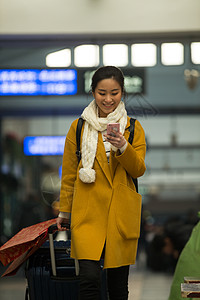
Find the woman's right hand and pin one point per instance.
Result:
(59, 223)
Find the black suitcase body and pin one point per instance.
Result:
(44, 284)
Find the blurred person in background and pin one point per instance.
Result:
(165, 248)
(29, 212)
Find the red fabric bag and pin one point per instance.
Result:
(23, 244)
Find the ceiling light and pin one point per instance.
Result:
(143, 55)
(115, 54)
(86, 56)
(195, 52)
(172, 54)
(61, 58)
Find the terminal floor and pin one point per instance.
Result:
(143, 285)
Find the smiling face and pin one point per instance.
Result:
(107, 94)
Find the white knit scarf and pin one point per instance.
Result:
(94, 124)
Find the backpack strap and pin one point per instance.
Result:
(130, 140)
(78, 138)
(131, 130)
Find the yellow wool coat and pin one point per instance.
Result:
(106, 212)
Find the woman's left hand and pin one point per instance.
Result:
(116, 139)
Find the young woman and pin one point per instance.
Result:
(99, 191)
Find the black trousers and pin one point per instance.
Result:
(90, 281)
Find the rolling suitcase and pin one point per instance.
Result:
(51, 273)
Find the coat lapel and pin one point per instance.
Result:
(108, 169)
(102, 158)
(113, 161)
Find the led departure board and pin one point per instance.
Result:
(35, 82)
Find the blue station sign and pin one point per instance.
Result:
(35, 82)
(44, 145)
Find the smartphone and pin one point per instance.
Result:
(112, 127)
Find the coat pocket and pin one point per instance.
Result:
(128, 212)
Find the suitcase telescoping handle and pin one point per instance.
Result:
(51, 230)
(54, 227)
